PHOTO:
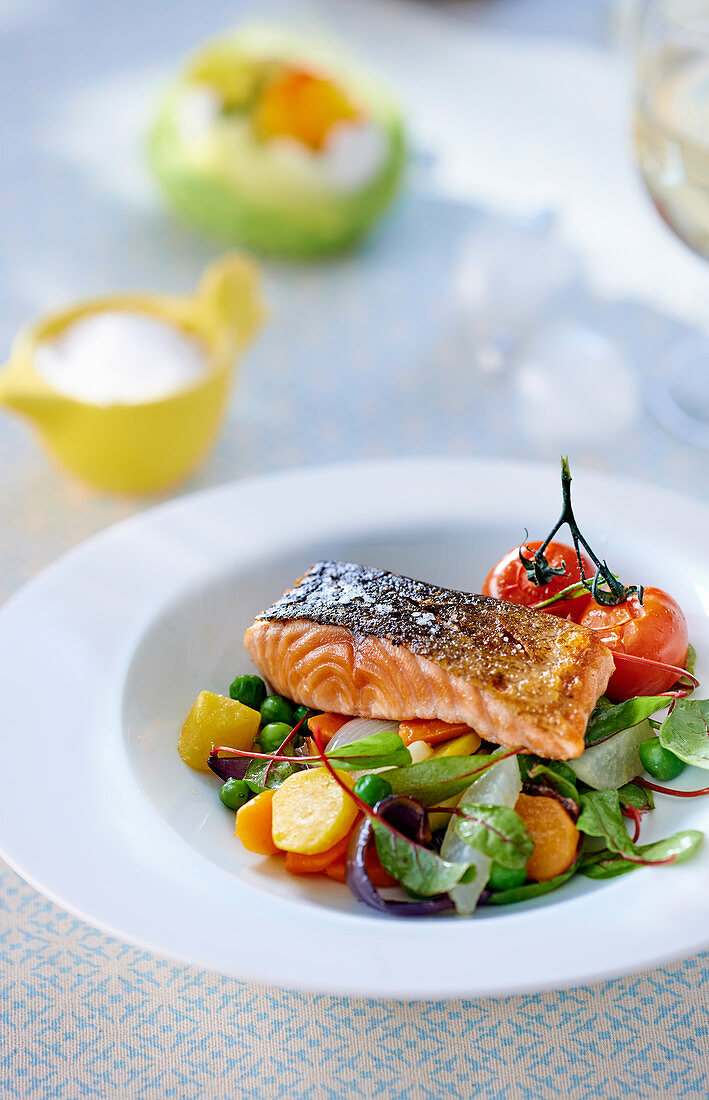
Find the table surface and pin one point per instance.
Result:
(83, 1014)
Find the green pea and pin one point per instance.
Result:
(275, 708)
(249, 690)
(506, 878)
(372, 789)
(234, 793)
(298, 715)
(659, 762)
(273, 735)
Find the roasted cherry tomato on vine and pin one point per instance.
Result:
(656, 629)
(509, 581)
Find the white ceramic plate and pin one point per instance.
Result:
(103, 654)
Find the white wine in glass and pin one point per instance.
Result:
(672, 148)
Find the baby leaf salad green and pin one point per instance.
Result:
(498, 832)
(418, 869)
(685, 731)
(379, 750)
(608, 719)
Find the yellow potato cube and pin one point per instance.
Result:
(439, 820)
(216, 720)
(311, 812)
(465, 745)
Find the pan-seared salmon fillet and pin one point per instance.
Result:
(364, 642)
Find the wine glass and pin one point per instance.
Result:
(672, 148)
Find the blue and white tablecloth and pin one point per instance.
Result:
(364, 356)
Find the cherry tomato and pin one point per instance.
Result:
(656, 629)
(508, 580)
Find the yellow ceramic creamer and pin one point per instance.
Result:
(142, 447)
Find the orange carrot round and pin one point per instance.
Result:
(315, 863)
(337, 870)
(254, 821)
(378, 876)
(555, 836)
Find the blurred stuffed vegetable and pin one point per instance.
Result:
(266, 142)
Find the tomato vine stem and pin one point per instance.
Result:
(605, 587)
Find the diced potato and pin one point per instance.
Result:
(216, 720)
(465, 745)
(440, 820)
(311, 812)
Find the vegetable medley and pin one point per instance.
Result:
(422, 817)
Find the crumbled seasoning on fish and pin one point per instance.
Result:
(365, 642)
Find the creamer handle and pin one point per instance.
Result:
(229, 299)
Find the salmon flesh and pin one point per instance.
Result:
(373, 644)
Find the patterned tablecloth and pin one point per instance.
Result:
(365, 356)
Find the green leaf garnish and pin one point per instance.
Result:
(557, 776)
(609, 719)
(496, 831)
(679, 848)
(433, 781)
(419, 869)
(531, 889)
(685, 731)
(384, 749)
(601, 817)
(264, 775)
(640, 798)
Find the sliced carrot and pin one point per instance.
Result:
(555, 836)
(254, 822)
(430, 730)
(299, 864)
(326, 725)
(378, 876)
(337, 870)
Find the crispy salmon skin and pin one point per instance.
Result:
(361, 641)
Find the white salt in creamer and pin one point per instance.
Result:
(118, 357)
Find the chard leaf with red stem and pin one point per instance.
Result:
(601, 817)
(496, 831)
(364, 890)
(608, 719)
(384, 749)
(265, 775)
(677, 848)
(551, 777)
(631, 794)
(434, 781)
(416, 867)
